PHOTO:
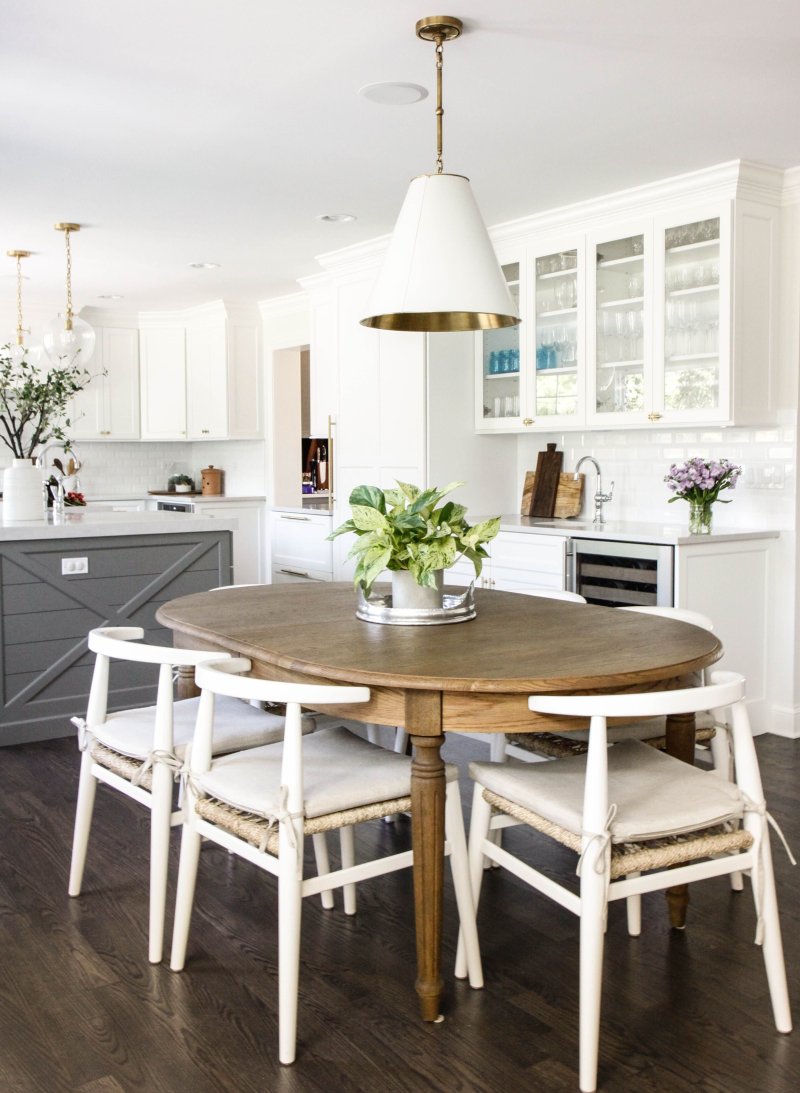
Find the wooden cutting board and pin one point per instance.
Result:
(569, 496)
(545, 487)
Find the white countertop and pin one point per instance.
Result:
(319, 508)
(629, 531)
(196, 498)
(80, 523)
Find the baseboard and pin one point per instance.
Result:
(784, 721)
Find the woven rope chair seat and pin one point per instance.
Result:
(123, 765)
(261, 833)
(552, 746)
(636, 857)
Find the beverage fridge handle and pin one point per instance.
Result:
(571, 567)
(331, 423)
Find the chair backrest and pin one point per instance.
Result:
(682, 614)
(557, 594)
(725, 689)
(223, 677)
(124, 643)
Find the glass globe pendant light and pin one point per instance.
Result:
(19, 349)
(69, 339)
(440, 272)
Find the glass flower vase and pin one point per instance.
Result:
(700, 517)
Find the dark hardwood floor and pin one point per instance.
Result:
(82, 1010)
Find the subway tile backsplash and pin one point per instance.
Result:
(636, 461)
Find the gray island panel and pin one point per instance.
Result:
(46, 669)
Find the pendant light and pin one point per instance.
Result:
(440, 272)
(19, 349)
(69, 340)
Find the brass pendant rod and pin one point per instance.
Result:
(439, 108)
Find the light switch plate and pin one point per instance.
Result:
(72, 566)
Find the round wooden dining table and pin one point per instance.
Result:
(473, 676)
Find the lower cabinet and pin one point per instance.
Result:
(248, 539)
(517, 562)
(300, 550)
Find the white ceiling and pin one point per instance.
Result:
(186, 130)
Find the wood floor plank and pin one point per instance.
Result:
(81, 1010)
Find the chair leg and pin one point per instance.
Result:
(497, 748)
(478, 831)
(459, 865)
(187, 877)
(633, 907)
(323, 866)
(83, 822)
(347, 846)
(772, 944)
(290, 905)
(593, 908)
(160, 826)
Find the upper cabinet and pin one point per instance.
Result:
(201, 377)
(662, 317)
(108, 408)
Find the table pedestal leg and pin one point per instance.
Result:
(427, 833)
(680, 743)
(186, 686)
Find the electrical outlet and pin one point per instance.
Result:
(71, 566)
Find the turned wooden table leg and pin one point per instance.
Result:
(423, 716)
(186, 686)
(680, 743)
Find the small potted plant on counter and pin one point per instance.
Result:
(182, 483)
(408, 532)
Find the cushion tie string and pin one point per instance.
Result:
(760, 809)
(602, 840)
(167, 758)
(84, 735)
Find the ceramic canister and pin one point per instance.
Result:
(23, 498)
(211, 478)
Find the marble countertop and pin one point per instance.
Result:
(630, 531)
(80, 523)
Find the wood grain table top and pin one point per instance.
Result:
(517, 644)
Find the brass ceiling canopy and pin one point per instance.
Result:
(440, 272)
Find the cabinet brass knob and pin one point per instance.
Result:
(527, 421)
(654, 417)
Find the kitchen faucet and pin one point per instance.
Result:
(600, 498)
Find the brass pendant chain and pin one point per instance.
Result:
(68, 319)
(20, 338)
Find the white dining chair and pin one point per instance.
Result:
(639, 821)
(261, 804)
(139, 752)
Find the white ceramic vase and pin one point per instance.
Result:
(23, 497)
(407, 594)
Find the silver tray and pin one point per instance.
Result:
(458, 605)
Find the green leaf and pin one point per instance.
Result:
(371, 566)
(411, 493)
(367, 518)
(369, 496)
(342, 529)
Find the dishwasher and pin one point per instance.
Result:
(622, 574)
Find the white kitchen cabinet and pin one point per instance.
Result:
(300, 550)
(163, 382)
(108, 408)
(518, 562)
(206, 380)
(248, 545)
(666, 315)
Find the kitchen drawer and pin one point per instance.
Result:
(299, 541)
(290, 574)
(543, 555)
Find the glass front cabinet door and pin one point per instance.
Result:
(619, 265)
(500, 387)
(692, 351)
(557, 389)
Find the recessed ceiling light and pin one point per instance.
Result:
(393, 93)
(204, 265)
(111, 296)
(336, 218)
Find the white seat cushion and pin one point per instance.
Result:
(656, 795)
(237, 725)
(340, 771)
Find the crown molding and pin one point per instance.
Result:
(292, 302)
(791, 186)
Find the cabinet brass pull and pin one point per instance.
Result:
(298, 573)
(285, 517)
(205, 431)
(654, 417)
(527, 421)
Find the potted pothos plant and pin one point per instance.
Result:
(407, 531)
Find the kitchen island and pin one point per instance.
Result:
(64, 575)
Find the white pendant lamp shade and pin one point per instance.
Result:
(440, 272)
(71, 346)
